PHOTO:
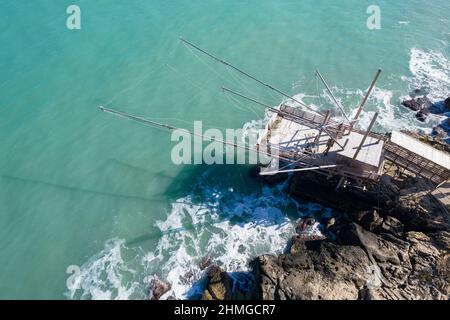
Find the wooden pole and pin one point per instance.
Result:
(332, 96)
(365, 135)
(267, 173)
(324, 123)
(172, 128)
(245, 74)
(363, 103)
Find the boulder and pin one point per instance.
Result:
(205, 263)
(336, 272)
(369, 220)
(218, 285)
(305, 225)
(158, 288)
(418, 104)
(392, 225)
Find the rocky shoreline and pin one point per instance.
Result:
(391, 241)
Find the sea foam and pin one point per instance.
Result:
(215, 221)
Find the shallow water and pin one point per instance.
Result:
(78, 187)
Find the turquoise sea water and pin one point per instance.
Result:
(79, 187)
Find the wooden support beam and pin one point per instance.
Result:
(365, 135)
(268, 173)
(336, 102)
(363, 103)
(324, 123)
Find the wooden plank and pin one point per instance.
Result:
(420, 148)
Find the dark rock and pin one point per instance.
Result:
(303, 242)
(305, 225)
(337, 272)
(205, 263)
(439, 132)
(419, 104)
(392, 225)
(158, 288)
(447, 103)
(188, 277)
(393, 244)
(218, 285)
(422, 115)
(370, 220)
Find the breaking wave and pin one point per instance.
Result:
(215, 221)
(430, 70)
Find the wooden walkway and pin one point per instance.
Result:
(418, 157)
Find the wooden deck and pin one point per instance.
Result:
(418, 157)
(293, 138)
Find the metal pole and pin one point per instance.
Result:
(332, 96)
(267, 173)
(363, 103)
(365, 135)
(245, 73)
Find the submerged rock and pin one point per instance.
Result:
(158, 288)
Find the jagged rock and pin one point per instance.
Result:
(395, 245)
(439, 132)
(392, 225)
(418, 212)
(335, 272)
(406, 269)
(205, 263)
(447, 103)
(370, 220)
(218, 285)
(418, 104)
(305, 225)
(188, 277)
(422, 115)
(304, 242)
(158, 288)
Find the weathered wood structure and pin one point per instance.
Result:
(300, 138)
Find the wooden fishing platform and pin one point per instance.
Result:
(308, 146)
(301, 138)
(352, 153)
